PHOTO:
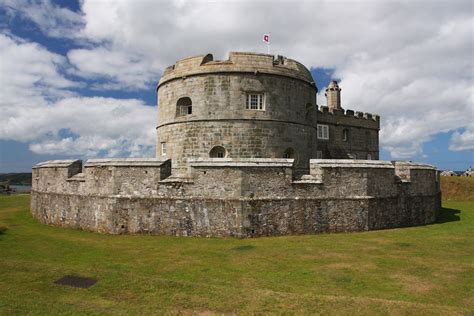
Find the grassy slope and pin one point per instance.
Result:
(426, 269)
(458, 188)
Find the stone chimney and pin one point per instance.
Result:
(333, 95)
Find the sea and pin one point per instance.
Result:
(21, 188)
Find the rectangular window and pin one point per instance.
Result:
(369, 157)
(323, 131)
(255, 101)
(163, 149)
(185, 110)
(319, 154)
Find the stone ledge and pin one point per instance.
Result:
(177, 180)
(78, 177)
(350, 163)
(235, 199)
(56, 163)
(241, 162)
(125, 162)
(413, 165)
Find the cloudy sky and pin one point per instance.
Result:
(78, 78)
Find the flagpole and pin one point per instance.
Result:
(266, 40)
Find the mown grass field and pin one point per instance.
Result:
(418, 270)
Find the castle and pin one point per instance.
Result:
(255, 106)
(243, 150)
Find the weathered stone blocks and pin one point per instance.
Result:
(234, 197)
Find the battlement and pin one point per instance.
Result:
(324, 110)
(234, 197)
(326, 115)
(145, 176)
(238, 62)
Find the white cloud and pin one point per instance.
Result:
(29, 71)
(122, 70)
(98, 126)
(463, 140)
(51, 19)
(36, 107)
(409, 61)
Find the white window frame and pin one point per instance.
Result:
(255, 101)
(164, 149)
(323, 131)
(369, 156)
(184, 110)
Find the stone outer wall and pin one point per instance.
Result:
(234, 197)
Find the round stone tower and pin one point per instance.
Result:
(249, 106)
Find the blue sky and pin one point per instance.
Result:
(77, 79)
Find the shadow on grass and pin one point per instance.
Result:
(448, 215)
(243, 248)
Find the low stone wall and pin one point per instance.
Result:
(234, 197)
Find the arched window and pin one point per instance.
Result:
(289, 153)
(217, 152)
(345, 135)
(184, 107)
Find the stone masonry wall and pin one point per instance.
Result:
(234, 197)
(220, 118)
(362, 138)
(218, 92)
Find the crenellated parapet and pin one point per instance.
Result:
(234, 197)
(238, 62)
(348, 117)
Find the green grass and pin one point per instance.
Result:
(417, 270)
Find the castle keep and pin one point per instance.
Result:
(255, 106)
(243, 150)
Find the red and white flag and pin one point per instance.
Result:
(266, 38)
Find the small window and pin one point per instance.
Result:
(323, 131)
(319, 154)
(369, 157)
(217, 152)
(289, 153)
(255, 101)
(184, 107)
(163, 149)
(345, 135)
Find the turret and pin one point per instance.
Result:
(333, 95)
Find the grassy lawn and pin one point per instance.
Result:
(418, 270)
